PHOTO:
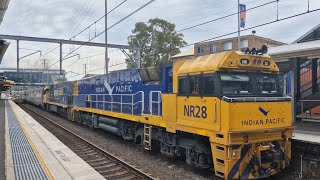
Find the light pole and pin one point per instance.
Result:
(239, 25)
(106, 35)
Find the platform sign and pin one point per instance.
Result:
(243, 15)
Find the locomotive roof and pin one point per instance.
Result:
(228, 60)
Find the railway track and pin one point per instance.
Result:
(109, 166)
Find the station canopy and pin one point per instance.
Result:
(307, 46)
(3, 44)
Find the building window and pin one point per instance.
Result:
(227, 46)
(244, 43)
(200, 50)
(213, 47)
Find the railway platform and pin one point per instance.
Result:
(31, 152)
(307, 132)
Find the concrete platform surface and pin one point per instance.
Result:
(308, 136)
(307, 131)
(2, 140)
(56, 159)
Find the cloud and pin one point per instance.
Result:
(59, 18)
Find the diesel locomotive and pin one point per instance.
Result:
(225, 111)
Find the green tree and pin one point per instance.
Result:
(157, 39)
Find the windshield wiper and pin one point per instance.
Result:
(234, 76)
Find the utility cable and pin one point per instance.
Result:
(76, 19)
(121, 20)
(83, 30)
(252, 27)
(223, 17)
(99, 18)
(84, 16)
(98, 69)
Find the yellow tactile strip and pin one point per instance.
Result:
(38, 155)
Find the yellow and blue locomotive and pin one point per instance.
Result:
(225, 110)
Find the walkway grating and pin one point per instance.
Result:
(25, 162)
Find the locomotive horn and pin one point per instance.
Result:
(253, 51)
(264, 49)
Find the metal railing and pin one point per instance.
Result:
(306, 116)
(256, 99)
(116, 102)
(63, 99)
(157, 102)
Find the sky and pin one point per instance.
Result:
(61, 19)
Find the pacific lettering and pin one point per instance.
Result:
(123, 88)
(262, 121)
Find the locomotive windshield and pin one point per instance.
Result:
(251, 84)
(235, 84)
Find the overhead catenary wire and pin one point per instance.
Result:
(100, 18)
(226, 16)
(252, 27)
(99, 54)
(201, 18)
(77, 17)
(98, 69)
(249, 28)
(118, 22)
(84, 29)
(77, 26)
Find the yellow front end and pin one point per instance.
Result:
(236, 100)
(258, 139)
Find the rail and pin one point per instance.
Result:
(306, 116)
(111, 102)
(256, 99)
(157, 102)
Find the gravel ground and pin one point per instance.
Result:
(155, 164)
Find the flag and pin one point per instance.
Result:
(242, 15)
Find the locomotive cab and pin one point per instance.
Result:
(235, 99)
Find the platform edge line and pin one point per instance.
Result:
(39, 157)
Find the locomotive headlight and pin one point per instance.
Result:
(244, 61)
(236, 153)
(266, 63)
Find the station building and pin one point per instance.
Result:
(246, 41)
(34, 76)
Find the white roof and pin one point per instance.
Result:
(189, 52)
(305, 49)
(306, 34)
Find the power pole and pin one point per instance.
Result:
(85, 69)
(239, 25)
(61, 59)
(106, 35)
(18, 58)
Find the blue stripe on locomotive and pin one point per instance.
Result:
(67, 90)
(118, 84)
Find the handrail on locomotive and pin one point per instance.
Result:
(93, 102)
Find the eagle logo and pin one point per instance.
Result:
(108, 87)
(264, 112)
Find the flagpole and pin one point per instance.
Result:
(239, 25)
